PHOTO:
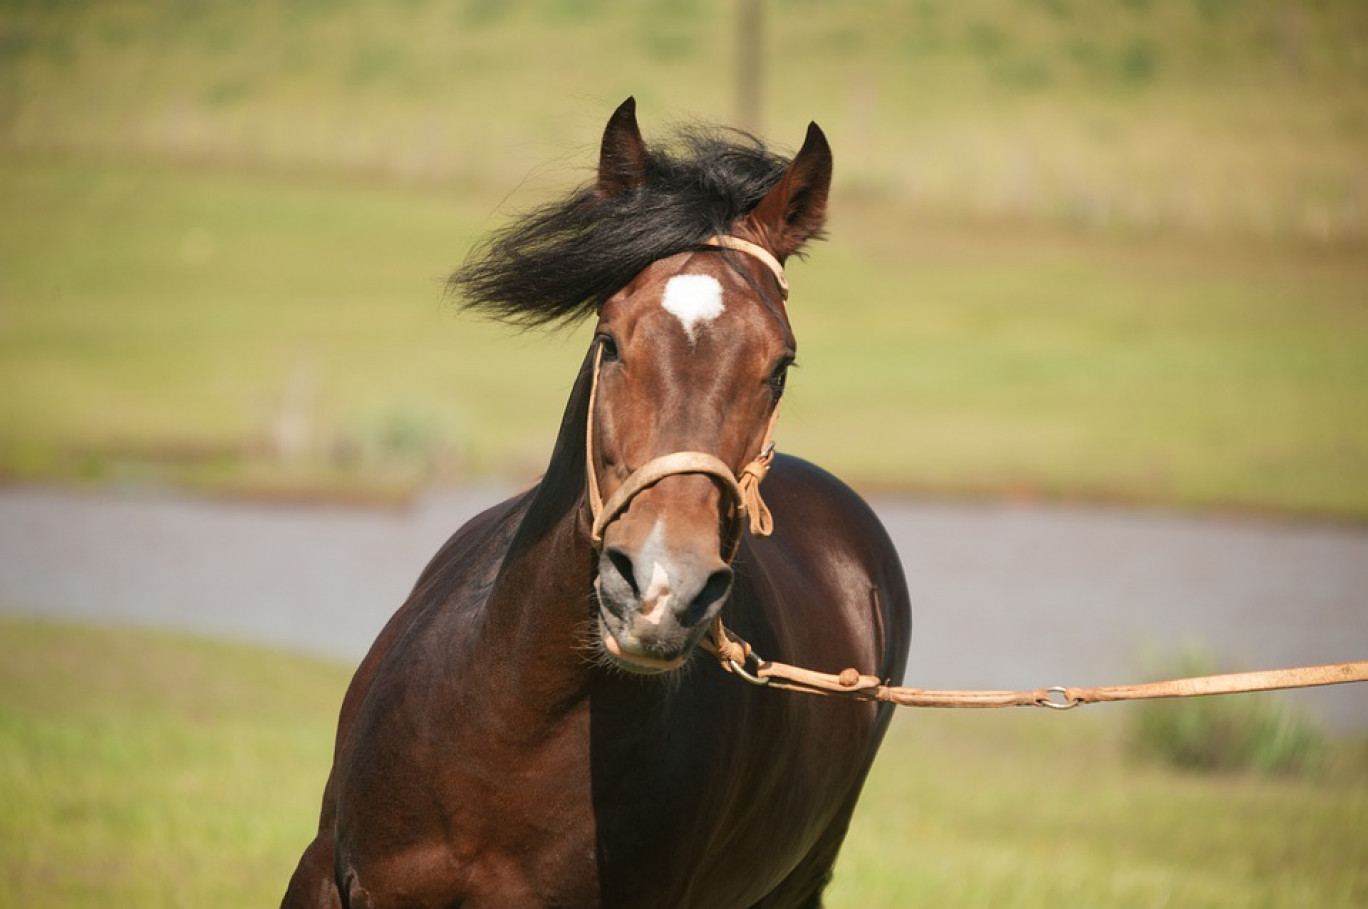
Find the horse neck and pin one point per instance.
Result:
(537, 614)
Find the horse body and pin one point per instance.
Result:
(514, 739)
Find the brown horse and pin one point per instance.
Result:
(536, 725)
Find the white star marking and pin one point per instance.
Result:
(693, 299)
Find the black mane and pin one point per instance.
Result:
(564, 260)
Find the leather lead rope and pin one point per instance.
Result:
(736, 657)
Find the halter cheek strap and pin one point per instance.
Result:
(744, 492)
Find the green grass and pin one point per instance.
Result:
(1106, 250)
(1191, 114)
(148, 770)
(985, 808)
(164, 315)
(150, 312)
(1063, 367)
(1265, 734)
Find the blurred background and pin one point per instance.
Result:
(1100, 251)
(1104, 256)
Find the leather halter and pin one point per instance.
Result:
(754, 250)
(743, 492)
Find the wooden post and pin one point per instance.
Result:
(749, 54)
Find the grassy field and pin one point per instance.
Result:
(1104, 251)
(205, 320)
(1202, 115)
(147, 770)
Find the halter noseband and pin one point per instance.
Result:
(744, 492)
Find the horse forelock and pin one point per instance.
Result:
(561, 262)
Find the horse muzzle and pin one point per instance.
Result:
(663, 570)
(657, 601)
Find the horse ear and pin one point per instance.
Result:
(622, 156)
(794, 211)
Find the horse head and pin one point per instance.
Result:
(691, 360)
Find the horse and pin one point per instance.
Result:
(540, 723)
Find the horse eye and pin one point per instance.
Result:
(608, 348)
(779, 378)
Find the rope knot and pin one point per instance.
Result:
(727, 648)
(761, 521)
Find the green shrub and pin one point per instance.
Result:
(1258, 732)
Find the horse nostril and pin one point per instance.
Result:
(622, 564)
(714, 591)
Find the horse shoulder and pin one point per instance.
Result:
(453, 582)
(453, 578)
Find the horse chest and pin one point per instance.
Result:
(591, 815)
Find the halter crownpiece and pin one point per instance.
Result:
(755, 251)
